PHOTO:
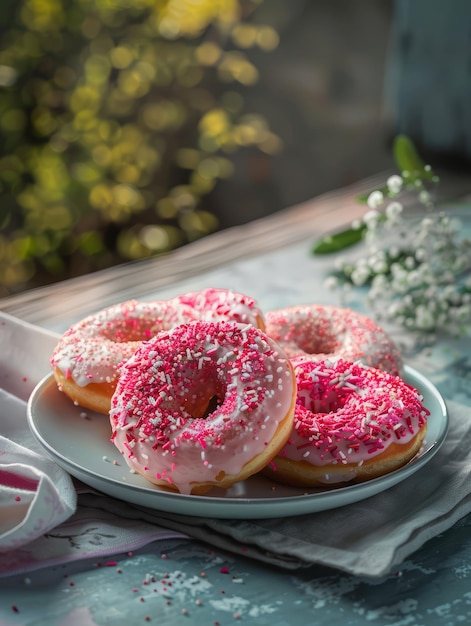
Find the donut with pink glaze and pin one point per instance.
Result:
(212, 305)
(205, 404)
(322, 331)
(86, 359)
(351, 423)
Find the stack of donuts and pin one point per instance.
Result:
(204, 390)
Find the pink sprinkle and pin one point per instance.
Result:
(111, 563)
(18, 499)
(224, 570)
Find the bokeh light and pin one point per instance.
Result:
(118, 118)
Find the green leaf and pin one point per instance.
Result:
(408, 160)
(339, 241)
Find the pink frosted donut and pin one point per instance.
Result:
(85, 361)
(352, 423)
(206, 404)
(213, 305)
(320, 331)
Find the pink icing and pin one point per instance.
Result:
(320, 332)
(222, 305)
(347, 413)
(159, 415)
(91, 350)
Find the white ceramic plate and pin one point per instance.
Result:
(79, 441)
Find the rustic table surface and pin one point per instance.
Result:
(269, 259)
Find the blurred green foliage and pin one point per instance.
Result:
(117, 118)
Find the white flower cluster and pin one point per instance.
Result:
(414, 268)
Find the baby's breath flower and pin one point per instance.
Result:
(394, 184)
(375, 199)
(378, 282)
(360, 276)
(371, 218)
(423, 317)
(378, 263)
(331, 283)
(420, 254)
(413, 268)
(394, 210)
(424, 196)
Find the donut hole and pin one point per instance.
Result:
(206, 407)
(204, 400)
(319, 342)
(125, 331)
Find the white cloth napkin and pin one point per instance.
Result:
(35, 493)
(368, 538)
(41, 520)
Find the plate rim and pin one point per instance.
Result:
(245, 507)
